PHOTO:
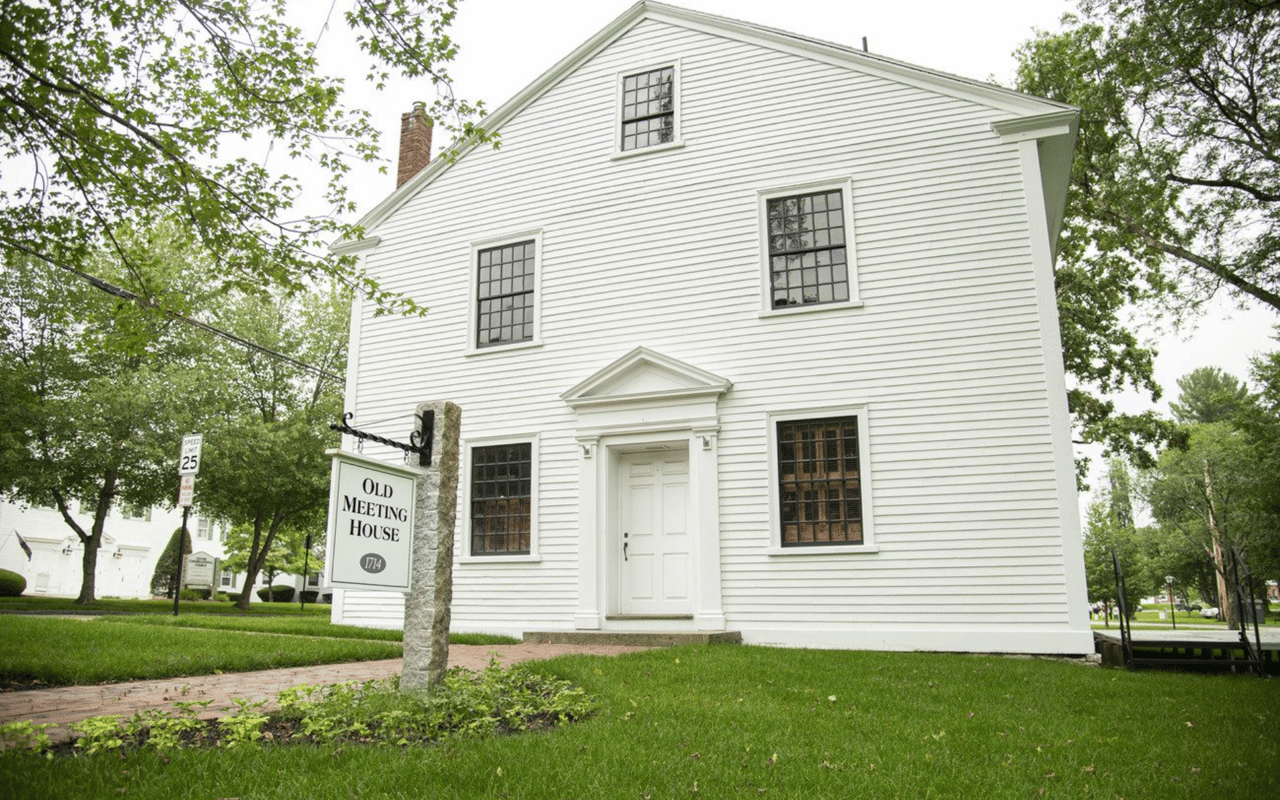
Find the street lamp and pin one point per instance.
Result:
(1173, 613)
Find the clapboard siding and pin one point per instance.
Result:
(663, 250)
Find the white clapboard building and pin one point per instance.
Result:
(133, 542)
(750, 332)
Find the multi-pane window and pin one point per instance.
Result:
(501, 499)
(819, 482)
(204, 528)
(648, 108)
(227, 579)
(136, 512)
(505, 281)
(807, 258)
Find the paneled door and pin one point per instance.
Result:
(655, 566)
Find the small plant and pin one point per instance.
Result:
(166, 731)
(101, 733)
(245, 726)
(25, 735)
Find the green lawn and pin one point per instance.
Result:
(60, 652)
(737, 721)
(115, 605)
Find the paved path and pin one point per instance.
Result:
(74, 703)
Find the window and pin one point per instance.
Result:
(502, 499)
(819, 474)
(134, 512)
(313, 579)
(227, 578)
(204, 528)
(808, 247)
(649, 108)
(506, 293)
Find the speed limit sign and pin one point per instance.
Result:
(189, 460)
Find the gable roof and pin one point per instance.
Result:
(1017, 104)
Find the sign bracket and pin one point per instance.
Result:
(419, 440)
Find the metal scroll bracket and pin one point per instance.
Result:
(419, 440)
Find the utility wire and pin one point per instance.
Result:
(118, 291)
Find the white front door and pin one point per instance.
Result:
(654, 553)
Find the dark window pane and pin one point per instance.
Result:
(505, 289)
(807, 231)
(648, 108)
(819, 482)
(501, 498)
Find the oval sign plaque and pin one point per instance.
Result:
(372, 563)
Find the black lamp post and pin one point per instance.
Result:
(1173, 612)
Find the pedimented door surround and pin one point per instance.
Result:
(646, 402)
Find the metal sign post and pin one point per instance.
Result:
(188, 466)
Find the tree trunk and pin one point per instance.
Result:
(1226, 604)
(89, 563)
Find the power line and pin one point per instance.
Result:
(118, 291)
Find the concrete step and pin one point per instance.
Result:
(636, 638)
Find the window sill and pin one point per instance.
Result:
(809, 309)
(529, 559)
(502, 348)
(821, 550)
(618, 155)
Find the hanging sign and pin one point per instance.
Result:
(370, 524)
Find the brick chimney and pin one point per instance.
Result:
(415, 143)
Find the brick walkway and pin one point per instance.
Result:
(74, 703)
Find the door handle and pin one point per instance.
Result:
(624, 547)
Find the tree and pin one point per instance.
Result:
(1209, 395)
(264, 465)
(284, 556)
(1211, 496)
(128, 113)
(1109, 527)
(93, 388)
(1175, 185)
(179, 547)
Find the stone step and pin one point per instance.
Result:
(636, 638)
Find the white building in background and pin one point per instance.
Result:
(132, 544)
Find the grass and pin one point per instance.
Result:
(117, 605)
(1150, 618)
(726, 721)
(63, 652)
(115, 649)
(299, 626)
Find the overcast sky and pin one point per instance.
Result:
(507, 44)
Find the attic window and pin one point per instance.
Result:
(649, 108)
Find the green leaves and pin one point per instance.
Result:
(122, 114)
(1175, 189)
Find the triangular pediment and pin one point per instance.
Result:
(642, 375)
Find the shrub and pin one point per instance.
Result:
(278, 593)
(309, 595)
(194, 594)
(11, 584)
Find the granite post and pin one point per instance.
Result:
(426, 606)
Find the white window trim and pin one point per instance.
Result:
(473, 299)
(845, 187)
(864, 474)
(677, 137)
(533, 555)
